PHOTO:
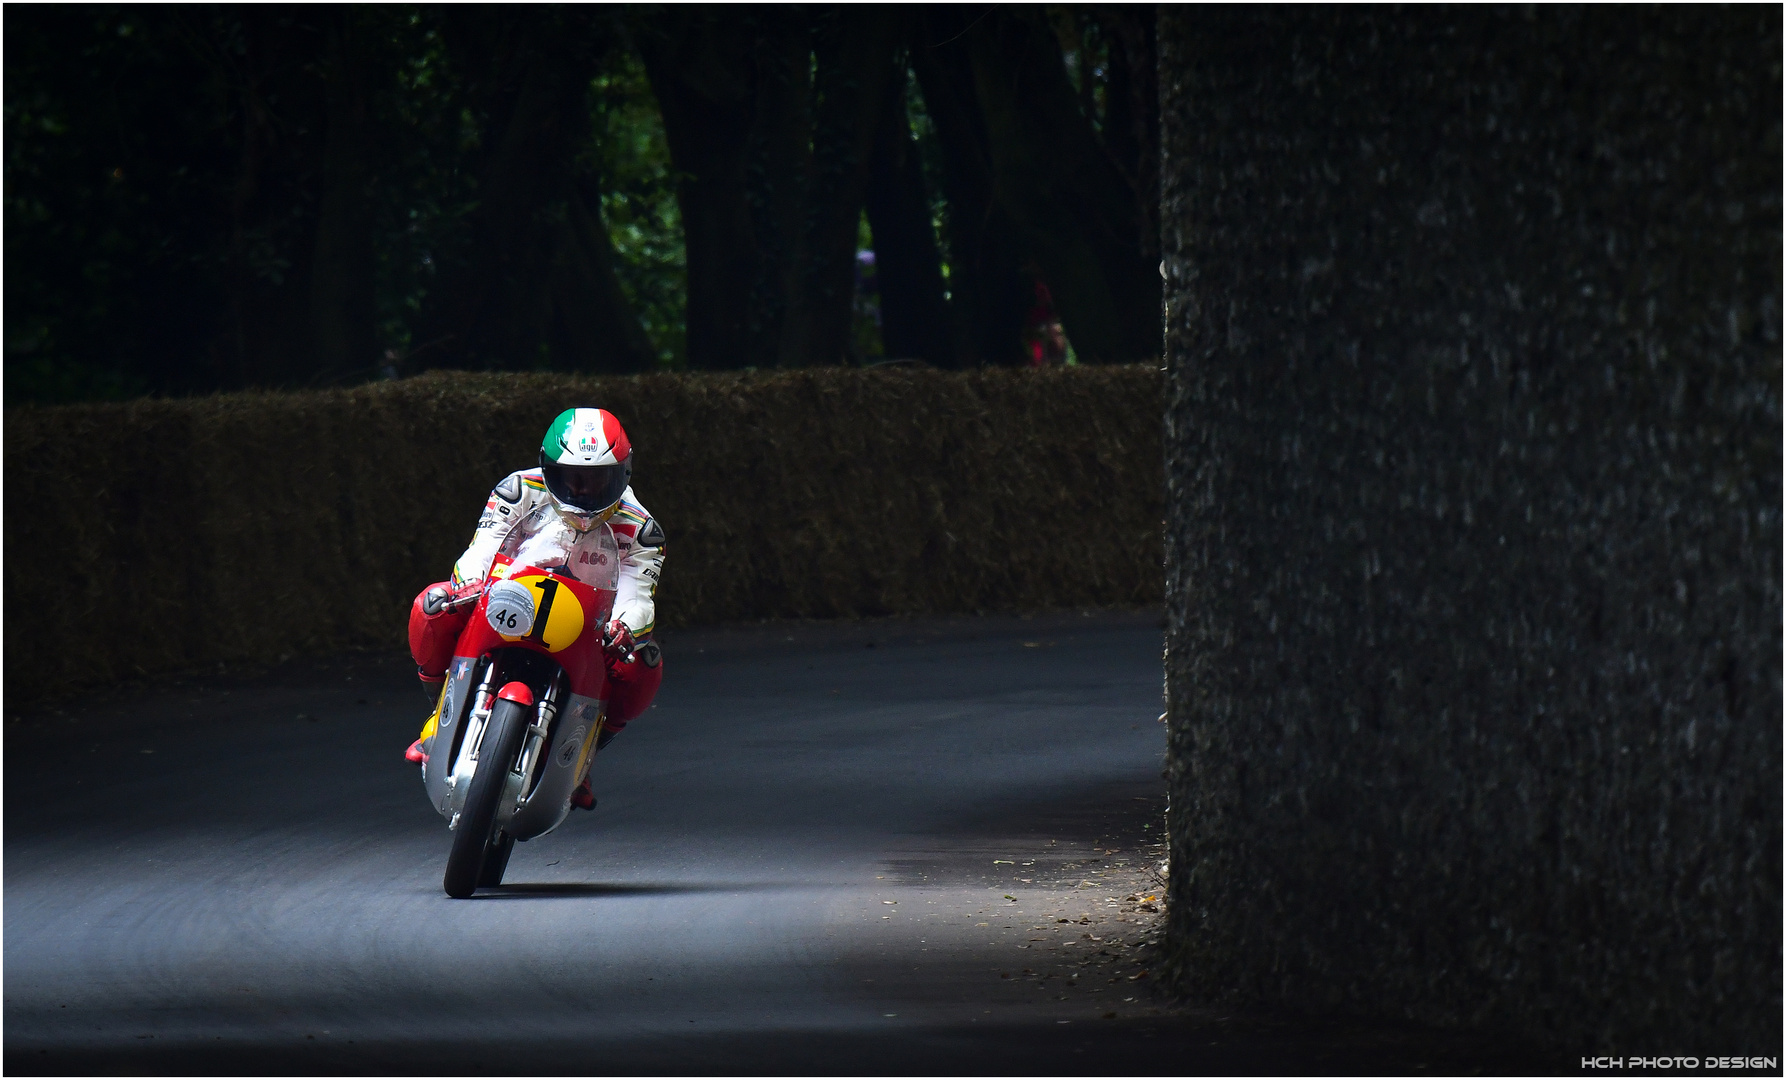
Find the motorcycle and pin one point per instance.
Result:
(525, 696)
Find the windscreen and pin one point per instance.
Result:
(545, 540)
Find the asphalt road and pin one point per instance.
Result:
(885, 847)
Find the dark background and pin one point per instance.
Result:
(216, 198)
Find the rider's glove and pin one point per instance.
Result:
(444, 597)
(434, 601)
(617, 641)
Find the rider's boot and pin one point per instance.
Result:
(436, 691)
(632, 684)
(433, 629)
(584, 797)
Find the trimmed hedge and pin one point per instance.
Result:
(160, 535)
(1474, 627)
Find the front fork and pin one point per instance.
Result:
(523, 783)
(524, 779)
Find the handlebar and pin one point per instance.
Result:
(437, 602)
(460, 603)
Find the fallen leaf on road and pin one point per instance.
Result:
(1142, 974)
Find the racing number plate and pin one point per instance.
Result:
(535, 607)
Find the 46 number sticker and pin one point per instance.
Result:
(510, 609)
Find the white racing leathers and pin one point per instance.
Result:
(636, 532)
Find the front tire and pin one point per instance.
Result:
(477, 822)
(496, 860)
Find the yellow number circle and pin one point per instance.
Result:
(564, 616)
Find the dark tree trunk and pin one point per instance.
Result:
(266, 55)
(1132, 117)
(1077, 215)
(733, 85)
(595, 324)
(707, 126)
(991, 294)
(853, 50)
(536, 287)
(914, 312)
(779, 160)
(342, 318)
(774, 168)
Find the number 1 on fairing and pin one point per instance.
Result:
(548, 588)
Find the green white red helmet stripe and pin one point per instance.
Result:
(586, 437)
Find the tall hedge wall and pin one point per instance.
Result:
(1474, 534)
(160, 534)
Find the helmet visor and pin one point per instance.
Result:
(587, 489)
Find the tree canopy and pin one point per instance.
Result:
(205, 198)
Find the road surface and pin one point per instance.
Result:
(881, 847)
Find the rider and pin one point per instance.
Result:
(585, 472)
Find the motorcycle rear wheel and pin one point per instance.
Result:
(477, 822)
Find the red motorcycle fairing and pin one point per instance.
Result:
(555, 616)
(578, 651)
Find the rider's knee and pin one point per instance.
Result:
(432, 637)
(633, 683)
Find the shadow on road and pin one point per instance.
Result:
(521, 890)
(1182, 1045)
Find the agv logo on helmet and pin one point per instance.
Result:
(587, 463)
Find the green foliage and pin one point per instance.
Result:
(1085, 47)
(430, 192)
(631, 158)
(865, 316)
(930, 161)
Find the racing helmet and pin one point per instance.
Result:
(587, 463)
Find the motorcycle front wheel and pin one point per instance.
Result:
(496, 860)
(477, 822)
